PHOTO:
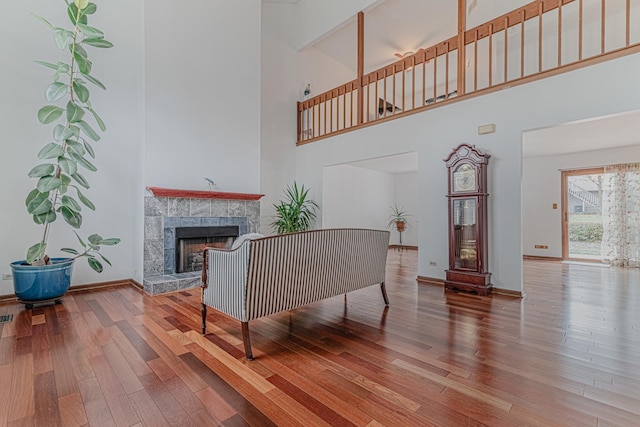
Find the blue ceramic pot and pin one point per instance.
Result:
(42, 282)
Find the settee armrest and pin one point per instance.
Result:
(225, 280)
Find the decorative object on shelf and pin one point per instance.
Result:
(468, 231)
(307, 91)
(398, 219)
(39, 278)
(210, 183)
(297, 213)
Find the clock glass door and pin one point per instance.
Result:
(465, 242)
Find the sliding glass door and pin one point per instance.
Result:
(582, 214)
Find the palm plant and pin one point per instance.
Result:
(297, 213)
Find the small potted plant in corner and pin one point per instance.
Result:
(297, 213)
(398, 218)
(57, 193)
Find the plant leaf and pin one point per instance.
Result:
(71, 203)
(94, 81)
(75, 147)
(91, 32)
(48, 183)
(49, 114)
(81, 4)
(88, 130)
(48, 65)
(95, 239)
(101, 124)
(39, 204)
(83, 162)
(67, 165)
(62, 37)
(36, 252)
(70, 251)
(98, 42)
(84, 65)
(41, 170)
(85, 201)
(81, 91)
(60, 133)
(55, 91)
(90, 9)
(51, 151)
(41, 19)
(89, 149)
(95, 264)
(72, 218)
(80, 180)
(82, 243)
(110, 242)
(75, 113)
(105, 259)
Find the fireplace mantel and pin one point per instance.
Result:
(198, 194)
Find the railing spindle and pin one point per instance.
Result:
(435, 72)
(580, 24)
(393, 89)
(603, 16)
(522, 16)
(413, 82)
(384, 95)
(325, 116)
(313, 121)
(490, 55)
(506, 48)
(475, 63)
(560, 32)
(344, 109)
(540, 11)
(628, 24)
(446, 70)
(368, 99)
(424, 79)
(403, 83)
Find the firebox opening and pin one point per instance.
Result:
(191, 241)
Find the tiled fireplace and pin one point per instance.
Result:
(167, 210)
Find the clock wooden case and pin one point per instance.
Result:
(467, 196)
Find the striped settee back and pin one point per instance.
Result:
(272, 274)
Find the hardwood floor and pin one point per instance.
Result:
(568, 354)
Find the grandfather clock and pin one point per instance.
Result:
(468, 247)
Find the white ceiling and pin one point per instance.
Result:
(620, 130)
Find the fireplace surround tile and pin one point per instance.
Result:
(164, 214)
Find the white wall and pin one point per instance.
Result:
(407, 196)
(314, 18)
(202, 94)
(281, 68)
(356, 197)
(115, 188)
(560, 99)
(541, 188)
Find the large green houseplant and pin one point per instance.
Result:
(59, 179)
(296, 213)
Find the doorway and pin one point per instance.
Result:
(582, 214)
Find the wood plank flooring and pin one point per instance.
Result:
(567, 354)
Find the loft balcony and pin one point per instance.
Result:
(538, 40)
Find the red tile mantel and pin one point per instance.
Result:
(195, 194)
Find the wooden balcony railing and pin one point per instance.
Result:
(539, 39)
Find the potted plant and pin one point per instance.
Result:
(398, 218)
(57, 193)
(297, 213)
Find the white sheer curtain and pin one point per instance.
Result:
(621, 215)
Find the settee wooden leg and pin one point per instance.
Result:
(384, 293)
(204, 319)
(247, 340)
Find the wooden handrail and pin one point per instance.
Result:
(374, 97)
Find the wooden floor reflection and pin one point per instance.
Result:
(567, 354)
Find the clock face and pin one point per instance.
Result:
(464, 178)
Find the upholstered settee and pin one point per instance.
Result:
(273, 274)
